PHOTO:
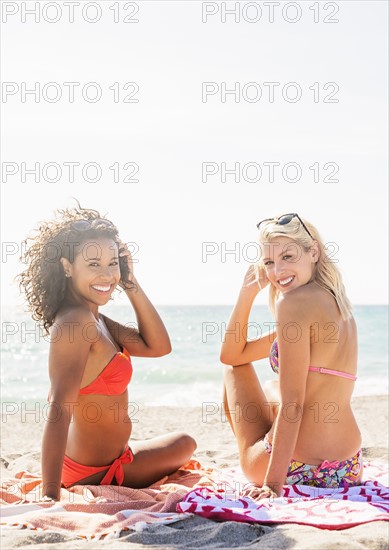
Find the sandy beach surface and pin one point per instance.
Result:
(20, 442)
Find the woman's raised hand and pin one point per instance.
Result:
(255, 278)
(125, 254)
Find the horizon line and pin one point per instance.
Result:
(201, 305)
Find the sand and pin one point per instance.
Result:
(20, 439)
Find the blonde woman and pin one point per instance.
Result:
(301, 429)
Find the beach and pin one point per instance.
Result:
(216, 448)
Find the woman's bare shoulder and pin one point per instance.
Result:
(305, 300)
(72, 331)
(71, 319)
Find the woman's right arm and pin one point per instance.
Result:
(68, 355)
(236, 350)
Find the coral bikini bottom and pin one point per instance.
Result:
(72, 471)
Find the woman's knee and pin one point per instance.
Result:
(190, 443)
(186, 442)
(230, 370)
(254, 467)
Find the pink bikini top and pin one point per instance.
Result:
(275, 366)
(113, 379)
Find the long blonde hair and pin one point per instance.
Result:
(326, 273)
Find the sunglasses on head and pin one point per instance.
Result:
(85, 225)
(285, 219)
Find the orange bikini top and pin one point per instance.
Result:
(114, 378)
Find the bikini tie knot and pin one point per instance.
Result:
(116, 468)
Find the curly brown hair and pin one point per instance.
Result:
(43, 281)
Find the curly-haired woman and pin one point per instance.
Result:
(74, 264)
(301, 430)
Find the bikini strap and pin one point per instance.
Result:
(334, 372)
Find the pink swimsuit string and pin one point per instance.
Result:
(334, 372)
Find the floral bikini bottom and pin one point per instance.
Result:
(339, 473)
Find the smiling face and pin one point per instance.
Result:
(287, 264)
(95, 272)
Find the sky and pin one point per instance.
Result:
(169, 98)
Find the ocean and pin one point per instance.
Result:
(192, 374)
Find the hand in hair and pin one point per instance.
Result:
(125, 256)
(255, 278)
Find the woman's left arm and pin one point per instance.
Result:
(293, 336)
